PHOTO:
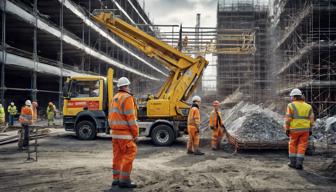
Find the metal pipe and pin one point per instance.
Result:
(3, 60)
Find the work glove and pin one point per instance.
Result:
(287, 133)
(310, 133)
(212, 128)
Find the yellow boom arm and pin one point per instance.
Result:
(185, 71)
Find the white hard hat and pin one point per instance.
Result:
(123, 81)
(12, 103)
(28, 103)
(196, 98)
(295, 92)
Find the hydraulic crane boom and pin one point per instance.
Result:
(185, 71)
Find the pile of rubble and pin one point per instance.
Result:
(253, 123)
(234, 98)
(324, 130)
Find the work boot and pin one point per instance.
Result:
(190, 152)
(198, 152)
(299, 163)
(127, 184)
(292, 162)
(115, 182)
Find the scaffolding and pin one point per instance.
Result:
(304, 51)
(43, 42)
(247, 20)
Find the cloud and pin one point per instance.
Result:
(182, 11)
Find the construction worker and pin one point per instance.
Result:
(194, 120)
(125, 131)
(298, 122)
(12, 111)
(51, 111)
(2, 115)
(217, 126)
(34, 108)
(26, 119)
(95, 90)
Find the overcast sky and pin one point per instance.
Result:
(182, 11)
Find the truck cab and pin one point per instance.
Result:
(85, 106)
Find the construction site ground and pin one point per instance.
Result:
(68, 164)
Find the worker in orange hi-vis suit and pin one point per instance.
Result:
(26, 120)
(125, 131)
(298, 122)
(194, 121)
(217, 126)
(34, 108)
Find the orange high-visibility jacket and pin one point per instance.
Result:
(299, 116)
(122, 117)
(26, 116)
(194, 117)
(34, 108)
(214, 121)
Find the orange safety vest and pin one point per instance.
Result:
(214, 121)
(122, 117)
(194, 117)
(34, 108)
(26, 115)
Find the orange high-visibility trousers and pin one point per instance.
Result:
(217, 136)
(124, 152)
(193, 141)
(298, 143)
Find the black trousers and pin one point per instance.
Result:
(25, 135)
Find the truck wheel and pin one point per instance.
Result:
(86, 130)
(163, 135)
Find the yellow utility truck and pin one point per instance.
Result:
(162, 117)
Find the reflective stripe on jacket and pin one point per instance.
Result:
(214, 121)
(12, 110)
(122, 117)
(194, 117)
(299, 116)
(26, 115)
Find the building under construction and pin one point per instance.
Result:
(303, 53)
(45, 41)
(246, 71)
(294, 48)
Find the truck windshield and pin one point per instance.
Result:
(81, 89)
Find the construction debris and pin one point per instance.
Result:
(251, 123)
(234, 98)
(12, 136)
(324, 130)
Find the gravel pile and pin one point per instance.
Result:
(324, 130)
(249, 122)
